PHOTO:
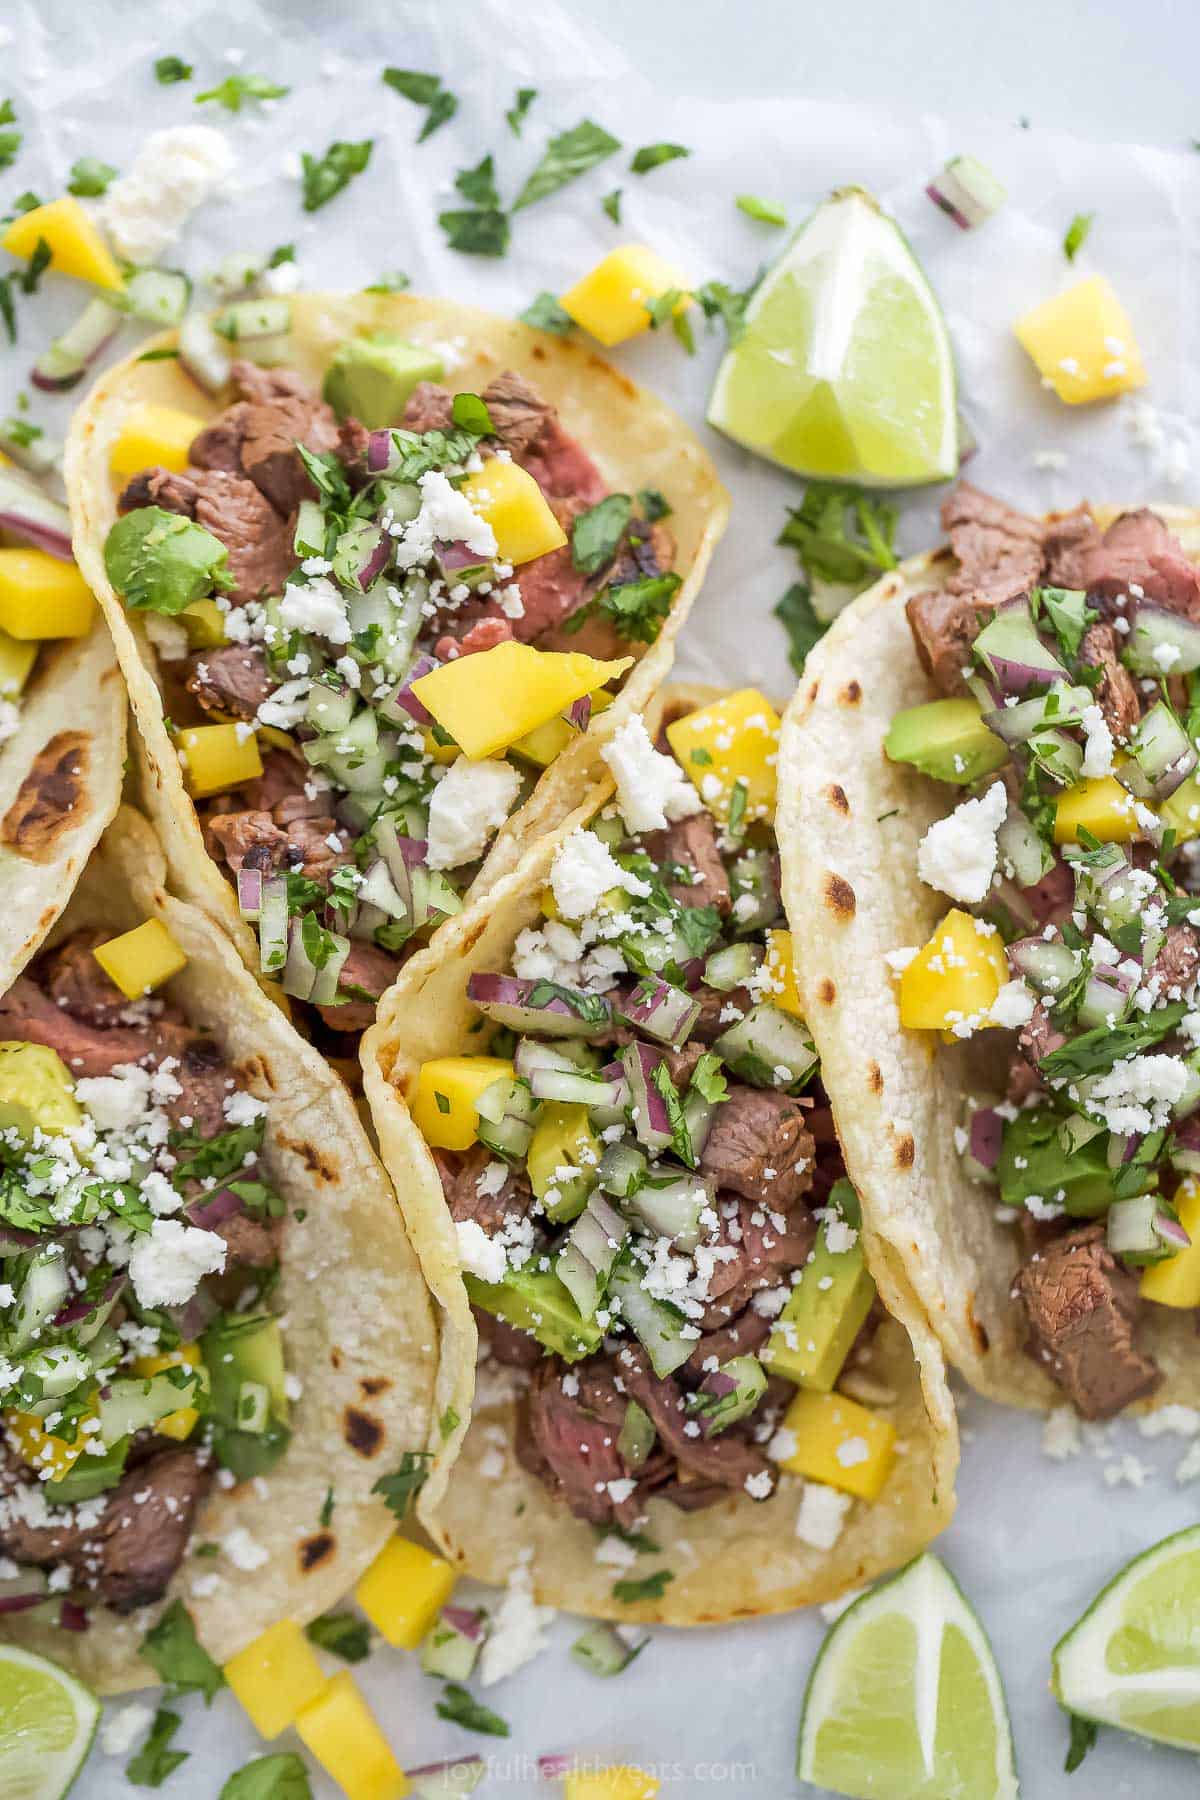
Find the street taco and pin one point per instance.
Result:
(215, 1335)
(1003, 989)
(600, 1107)
(369, 664)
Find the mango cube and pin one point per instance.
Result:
(621, 1782)
(612, 299)
(276, 1676)
(955, 976)
(182, 1422)
(782, 974)
(153, 434)
(1176, 1280)
(443, 1106)
(43, 597)
(1180, 812)
(76, 246)
(404, 1590)
(204, 623)
(438, 753)
(840, 1443)
(16, 661)
(1101, 806)
(340, 1730)
(513, 504)
(142, 959)
(51, 1456)
(216, 757)
(1083, 344)
(734, 741)
(489, 700)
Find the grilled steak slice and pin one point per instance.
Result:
(758, 1146)
(367, 967)
(233, 679)
(1081, 1307)
(757, 1254)
(75, 981)
(691, 845)
(489, 1207)
(1117, 695)
(570, 1439)
(727, 1459)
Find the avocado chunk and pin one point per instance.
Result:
(536, 1301)
(946, 739)
(88, 1476)
(239, 1349)
(160, 562)
(371, 378)
(812, 1336)
(1040, 1158)
(36, 1090)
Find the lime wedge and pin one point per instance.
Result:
(1133, 1659)
(47, 1723)
(844, 370)
(905, 1701)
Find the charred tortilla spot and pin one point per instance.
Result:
(906, 1151)
(839, 895)
(813, 692)
(851, 694)
(373, 1385)
(316, 1550)
(313, 1160)
(335, 1357)
(363, 1433)
(43, 811)
(978, 1329)
(875, 1078)
(837, 799)
(826, 991)
(473, 936)
(537, 353)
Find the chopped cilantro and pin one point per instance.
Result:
(1069, 615)
(650, 1587)
(400, 1489)
(156, 1760)
(443, 1103)
(478, 185)
(90, 177)
(1077, 234)
(235, 90)
(449, 1422)
(637, 1540)
(165, 355)
(325, 176)
(26, 202)
(325, 1516)
(596, 534)
(169, 69)
(515, 115)
(652, 505)
(481, 231)
(841, 534)
(462, 1708)
(1095, 1051)
(767, 212)
(737, 807)
(804, 629)
(10, 141)
(652, 156)
(470, 413)
(341, 1633)
(184, 1664)
(38, 263)
(708, 1080)
(392, 281)
(612, 205)
(681, 1137)
(282, 253)
(427, 91)
(638, 608)
(721, 302)
(545, 314)
(280, 1776)
(567, 157)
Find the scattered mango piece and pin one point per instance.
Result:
(955, 976)
(76, 246)
(404, 1590)
(42, 596)
(1100, 805)
(16, 661)
(782, 974)
(611, 300)
(735, 740)
(182, 1422)
(216, 757)
(489, 700)
(840, 1443)
(151, 435)
(1176, 1280)
(512, 503)
(1083, 344)
(341, 1731)
(142, 959)
(276, 1676)
(51, 1456)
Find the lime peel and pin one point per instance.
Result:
(47, 1723)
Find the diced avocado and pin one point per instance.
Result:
(812, 1336)
(134, 1403)
(89, 1475)
(36, 1089)
(946, 739)
(537, 1301)
(1034, 1161)
(563, 1138)
(371, 378)
(237, 1350)
(159, 561)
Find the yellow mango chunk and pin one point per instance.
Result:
(1101, 806)
(489, 700)
(36, 1089)
(182, 1422)
(1083, 344)
(562, 1140)
(548, 741)
(153, 434)
(76, 246)
(204, 623)
(621, 1782)
(781, 974)
(216, 757)
(16, 661)
(840, 1443)
(512, 503)
(955, 976)
(51, 1456)
(443, 1106)
(404, 1590)
(340, 1730)
(142, 959)
(275, 1677)
(611, 300)
(43, 597)
(734, 741)
(1180, 812)
(1176, 1280)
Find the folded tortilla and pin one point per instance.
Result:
(359, 1334)
(850, 822)
(736, 1559)
(634, 438)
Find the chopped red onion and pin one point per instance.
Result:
(651, 1121)
(667, 1014)
(507, 999)
(402, 704)
(34, 517)
(379, 450)
(211, 1210)
(987, 1131)
(579, 713)
(72, 1617)
(465, 1620)
(1171, 1231)
(554, 1768)
(249, 892)
(17, 1603)
(967, 192)
(82, 1308)
(718, 1384)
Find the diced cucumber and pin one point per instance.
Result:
(604, 1651)
(622, 1169)
(159, 296)
(63, 364)
(331, 704)
(250, 321)
(273, 926)
(253, 1407)
(451, 1648)
(656, 1325)
(1132, 1230)
(733, 966)
(133, 1403)
(719, 1411)
(768, 1048)
(323, 991)
(48, 1376)
(308, 538)
(592, 1247)
(43, 1291)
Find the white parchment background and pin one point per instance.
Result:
(1034, 1538)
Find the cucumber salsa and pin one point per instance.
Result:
(649, 1200)
(1069, 662)
(380, 615)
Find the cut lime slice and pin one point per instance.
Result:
(905, 1700)
(844, 370)
(1133, 1659)
(47, 1723)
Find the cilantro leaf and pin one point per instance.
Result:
(652, 156)
(462, 1708)
(1097, 1050)
(515, 115)
(708, 1080)
(36, 267)
(1077, 234)
(172, 1648)
(427, 91)
(235, 90)
(841, 534)
(545, 314)
(596, 534)
(652, 505)
(480, 232)
(325, 1516)
(804, 629)
(767, 212)
(172, 68)
(342, 1634)
(721, 302)
(325, 176)
(470, 413)
(392, 281)
(1084, 1733)
(90, 177)
(155, 1760)
(650, 1587)
(10, 141)
(1069, 615)
(567, 157)
(612, 205)
(478, 185)
(401, 1488)
(681, 1137)
(281, 1776)
(638, 608)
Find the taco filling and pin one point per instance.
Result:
(1069, 661)
(658, 1240)
(374, 641)
(140, 1361)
